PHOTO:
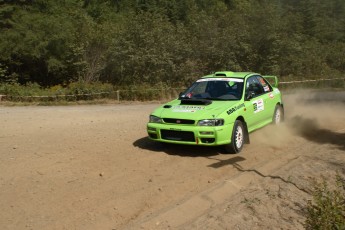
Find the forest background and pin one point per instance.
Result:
(53, 44)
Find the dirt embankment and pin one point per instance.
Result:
(92, 167)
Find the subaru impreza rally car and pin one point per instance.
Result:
(219, 109)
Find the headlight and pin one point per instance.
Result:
(211, 122)
(154, 119)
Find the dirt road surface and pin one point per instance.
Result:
(93, 167)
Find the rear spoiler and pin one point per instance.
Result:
(273, 80)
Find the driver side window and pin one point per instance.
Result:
(253, 87)
(264, 84)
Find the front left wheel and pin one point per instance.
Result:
(237, 138)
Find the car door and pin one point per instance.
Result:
(268, 98)
(255, 98)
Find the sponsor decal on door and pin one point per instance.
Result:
(258, 105)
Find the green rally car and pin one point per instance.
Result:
(219, 109)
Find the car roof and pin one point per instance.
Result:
(229, 74)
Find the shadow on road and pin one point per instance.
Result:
(310, 130)
(222, 163)
(179, 150)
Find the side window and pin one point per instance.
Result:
(267, 88)
(253, 86)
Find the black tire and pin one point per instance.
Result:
(278, 115)
(237, 138)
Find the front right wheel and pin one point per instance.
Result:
(237, 138)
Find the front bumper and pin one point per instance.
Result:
(190, 134)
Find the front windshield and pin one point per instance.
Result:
(215, 89)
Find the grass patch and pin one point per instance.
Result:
(327, 209)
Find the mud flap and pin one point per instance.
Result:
(246, 140)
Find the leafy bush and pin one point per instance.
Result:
(15, 90)
(75, 91)
(89, 91)
(327, 210)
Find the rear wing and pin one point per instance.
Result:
(273, 80)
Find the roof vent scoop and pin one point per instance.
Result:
(224, 74)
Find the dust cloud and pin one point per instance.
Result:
(315, 116)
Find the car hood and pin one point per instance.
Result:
(194, 110)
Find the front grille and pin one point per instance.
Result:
(177, 135)
(178, 121)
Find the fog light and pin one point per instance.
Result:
(151, 129)
(153, 136)
(206, 133)
(207, 140)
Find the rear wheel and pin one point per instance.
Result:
(237, 138)
(278, 116)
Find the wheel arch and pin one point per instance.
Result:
(280, 104)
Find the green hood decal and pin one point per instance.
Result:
(175, 109)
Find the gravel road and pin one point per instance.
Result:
(93, 167)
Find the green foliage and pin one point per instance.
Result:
(78, 91)
(327, 210)
(15, 90)
(171, 41)
(74, 91)
(85, 88)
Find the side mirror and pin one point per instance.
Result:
(250, 95)
(181, 95)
